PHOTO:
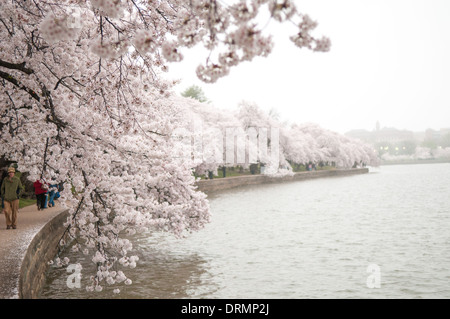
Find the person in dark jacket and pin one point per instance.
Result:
(10, 191)
(2, 177)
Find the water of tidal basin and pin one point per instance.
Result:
(307, 239)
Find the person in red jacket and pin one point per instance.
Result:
(40, 189)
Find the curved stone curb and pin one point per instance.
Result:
(15, 246)
(41, 250)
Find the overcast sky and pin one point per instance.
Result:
(389, 62)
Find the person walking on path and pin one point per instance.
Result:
(4, 175)
(40, 189)
(51, 196)
(10, 191)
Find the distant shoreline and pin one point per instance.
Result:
(416, 161)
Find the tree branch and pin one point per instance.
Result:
(14, 81)
(17, 66)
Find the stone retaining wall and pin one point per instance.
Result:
(41, 250)
(219, 184)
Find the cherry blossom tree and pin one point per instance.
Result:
(84, 100)
(268, 138)
(203, 134)
(309, 142)
(302, 148)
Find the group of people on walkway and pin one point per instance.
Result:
(11, 188)
(45, 193)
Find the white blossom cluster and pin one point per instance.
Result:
(58, 28)
(304, 39)
(170, 52)
(144, 41)
(108, 48)
(282, 9)
(309, 142)
(83, 101)
(243, 11)
(110, 8)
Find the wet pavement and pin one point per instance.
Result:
(14, 244)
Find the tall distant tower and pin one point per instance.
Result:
(377, 126)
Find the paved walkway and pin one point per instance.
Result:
(14, 244)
